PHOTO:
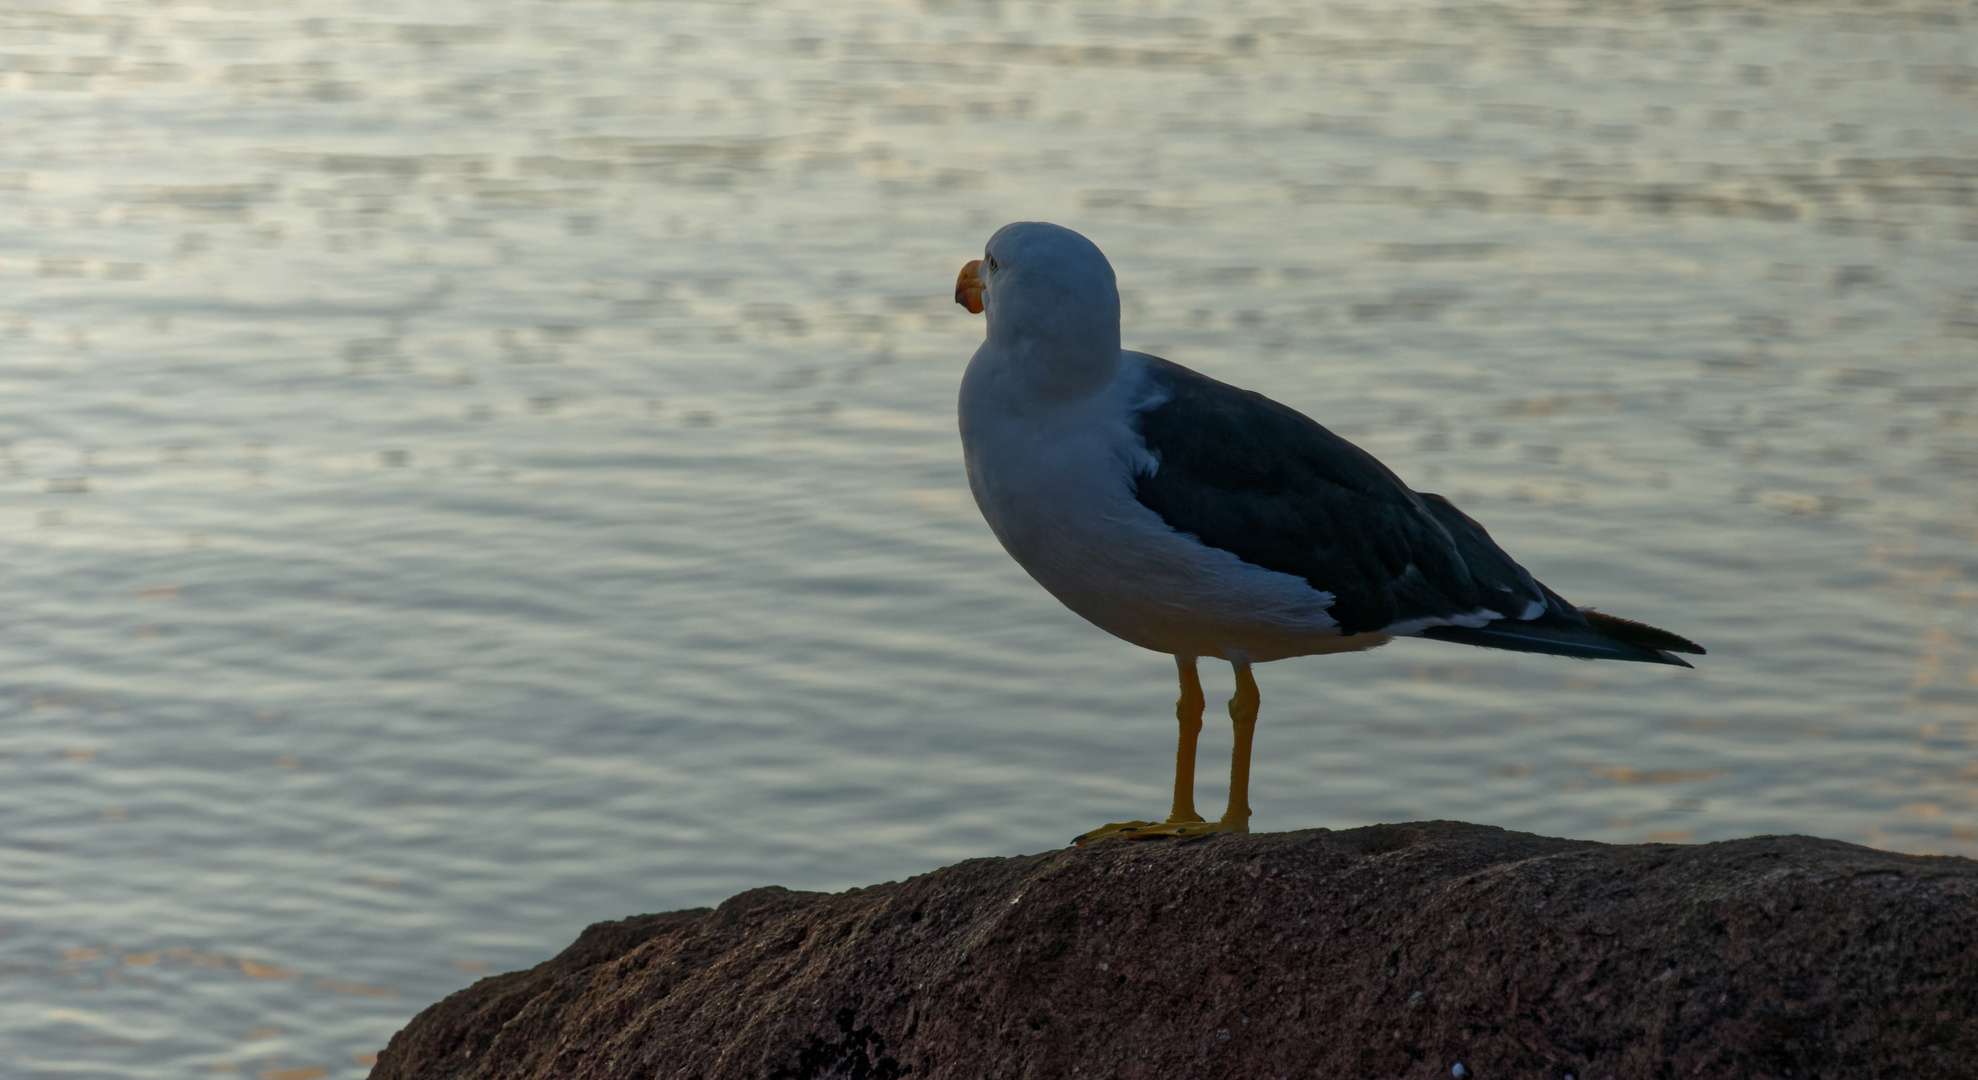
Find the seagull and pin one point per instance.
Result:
(1195, 518)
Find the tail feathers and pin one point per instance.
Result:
(1642, 634)
(1589, 636)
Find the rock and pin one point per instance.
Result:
(1388, 951)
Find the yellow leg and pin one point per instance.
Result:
(1188, 711)
(1183, 820)
(1242, 714)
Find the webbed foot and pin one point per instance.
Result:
(1186, 828)
(1149, 830)
(1103, 831)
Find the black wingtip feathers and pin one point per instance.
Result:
(1642, 634)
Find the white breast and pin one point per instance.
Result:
(1055, 481)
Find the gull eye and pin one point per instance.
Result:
(992, 262)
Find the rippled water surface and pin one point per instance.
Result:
(473, 469)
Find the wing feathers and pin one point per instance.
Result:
(1641, 634)
(1243, 473)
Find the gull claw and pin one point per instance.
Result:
(1151, 830)
(1104, 831)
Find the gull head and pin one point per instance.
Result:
(1043, 284)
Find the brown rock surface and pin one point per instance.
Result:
(1388, 951)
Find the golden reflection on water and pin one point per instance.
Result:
(475, 470)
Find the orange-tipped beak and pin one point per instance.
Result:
(968, 288)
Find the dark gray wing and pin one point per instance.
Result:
(1269, 485)
(1274, 488)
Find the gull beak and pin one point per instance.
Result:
(968, 288)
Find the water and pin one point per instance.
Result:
(473, 469)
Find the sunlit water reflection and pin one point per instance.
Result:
(472, 469)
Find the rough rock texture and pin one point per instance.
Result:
(1389, 951)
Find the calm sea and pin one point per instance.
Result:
(470, 469)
